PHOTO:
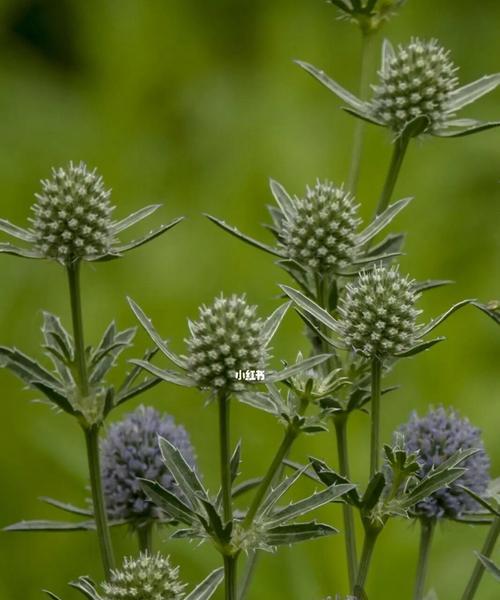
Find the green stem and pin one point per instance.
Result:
(357, 148)
(426, 533)
(250, 567)
(145, 537)
(340, 423)
(398, 154)
(225, 456)
(91, 431)
(375, 416)
(289, 438)
(487, 550)
(371, 536)
(230, 579)
(101, 521)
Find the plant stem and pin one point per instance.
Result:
(145, 537)
(398, 154)
(340, 423)
(91, 431)
(225, 456)
(230, 580)
(486, 550)
(426, 533)
(289, 438)
(101, 521)
(371, 536)
(357, 148)
(375, 416)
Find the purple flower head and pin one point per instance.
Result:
(130, 451)
(436, 437)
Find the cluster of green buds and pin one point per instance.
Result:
(369, 15)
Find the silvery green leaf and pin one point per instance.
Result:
(333, 86)
(41, 525)
(56, 335)
(51, 595)
(457, 131)
(364, 116)
(130, 393)
(15, 231)
(246, 238)
(484, 502)
(438, 320)
(168, 502)
(103, 359)
(206, 589)
(430, 284)
(472, 91)
(392, 243)
(260, 401)
(431, 596)
(432, 483)
(305, 506)
(387, 55)
(87, 587)
(473, 519)
(312, 309)
(373, 492)
(330, 477)
(166, 375)
(299, 367)
(147, 324)
(64, 506)
(272, 323)
(374, 258)
(276, 493)
(330, 341)
(7, 248)
(492, 309)
(298, 532)
(134, 218)
(283, 199)
(234, 466)
(489, 565)
(12, 357)
(456, 458)
(421, 347)
(185, 477)
(381, 221)
(246, 486)
(121, 248)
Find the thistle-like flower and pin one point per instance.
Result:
(130, 452)
(417, 92)
(72, 220)
(436, 437)
(148, 577)
(378, 313)
(225, 340)
(369, 15)
(319, 232)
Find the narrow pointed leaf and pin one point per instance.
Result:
(246, 486)
(207, 587)
(333, 86)
(87, 587)
(134, 218)
(146, 385)
(456, 459)
(273, 322)
(462, 132)
(438, 320)
(364, 116)
(489, 565)
(7, 248)
(246, 238)
(387, 55)
(148, 237)
(430, 284)
(51, 595)
(12, 357)
(330, 341)
(41, 525)
(298, 532)
(15, 231)
(170, 376)
(147, 324)
(275, 494)
(283, 199)
(66, 507)
(418, 348)
(373, 492)
(492, 310)
(312, 309)
(168, 502)
(494, 510)
(297, 368)
(259, 401)
(382, 220)
(429, 485)
(472, 91)
(392, 243)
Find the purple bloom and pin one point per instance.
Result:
(436, 437)
(130, 451)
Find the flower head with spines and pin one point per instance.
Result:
(226, 339)
(148, 577)
(322, 232)
(130, 452)
(378, 314)
(436, 437)
(417, 80)
(72, 215)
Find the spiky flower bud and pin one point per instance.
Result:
(148, 577)
(72, 215)
(321, 232)
(415, 82)
(226, 339)
(378, 312)
(436, 437)
(130, 451)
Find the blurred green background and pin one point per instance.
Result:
(196, 104)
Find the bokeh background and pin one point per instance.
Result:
(196, 104)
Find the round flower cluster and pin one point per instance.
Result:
(321, 233)
(436, 437)
(130, 451)
(416, 82)
(378, 316)
(72, 215)
(226, 341)
(149, 577)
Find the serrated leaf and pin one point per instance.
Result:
(260, 401)
(205, 589)
(297, 368)
(313, 309)
(298, 532)
(438, 320)
(418, 348)
(165, 374)
(46, 525)
(148, 237)
(472, 91)
(381, 221)
(429, 485)
(136, 390)
(330, 477)
(492, 310)
(66, 507)
(168, 502)
(272, 323)
(276, 493)
(134, 218)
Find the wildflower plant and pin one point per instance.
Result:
(361, 317)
